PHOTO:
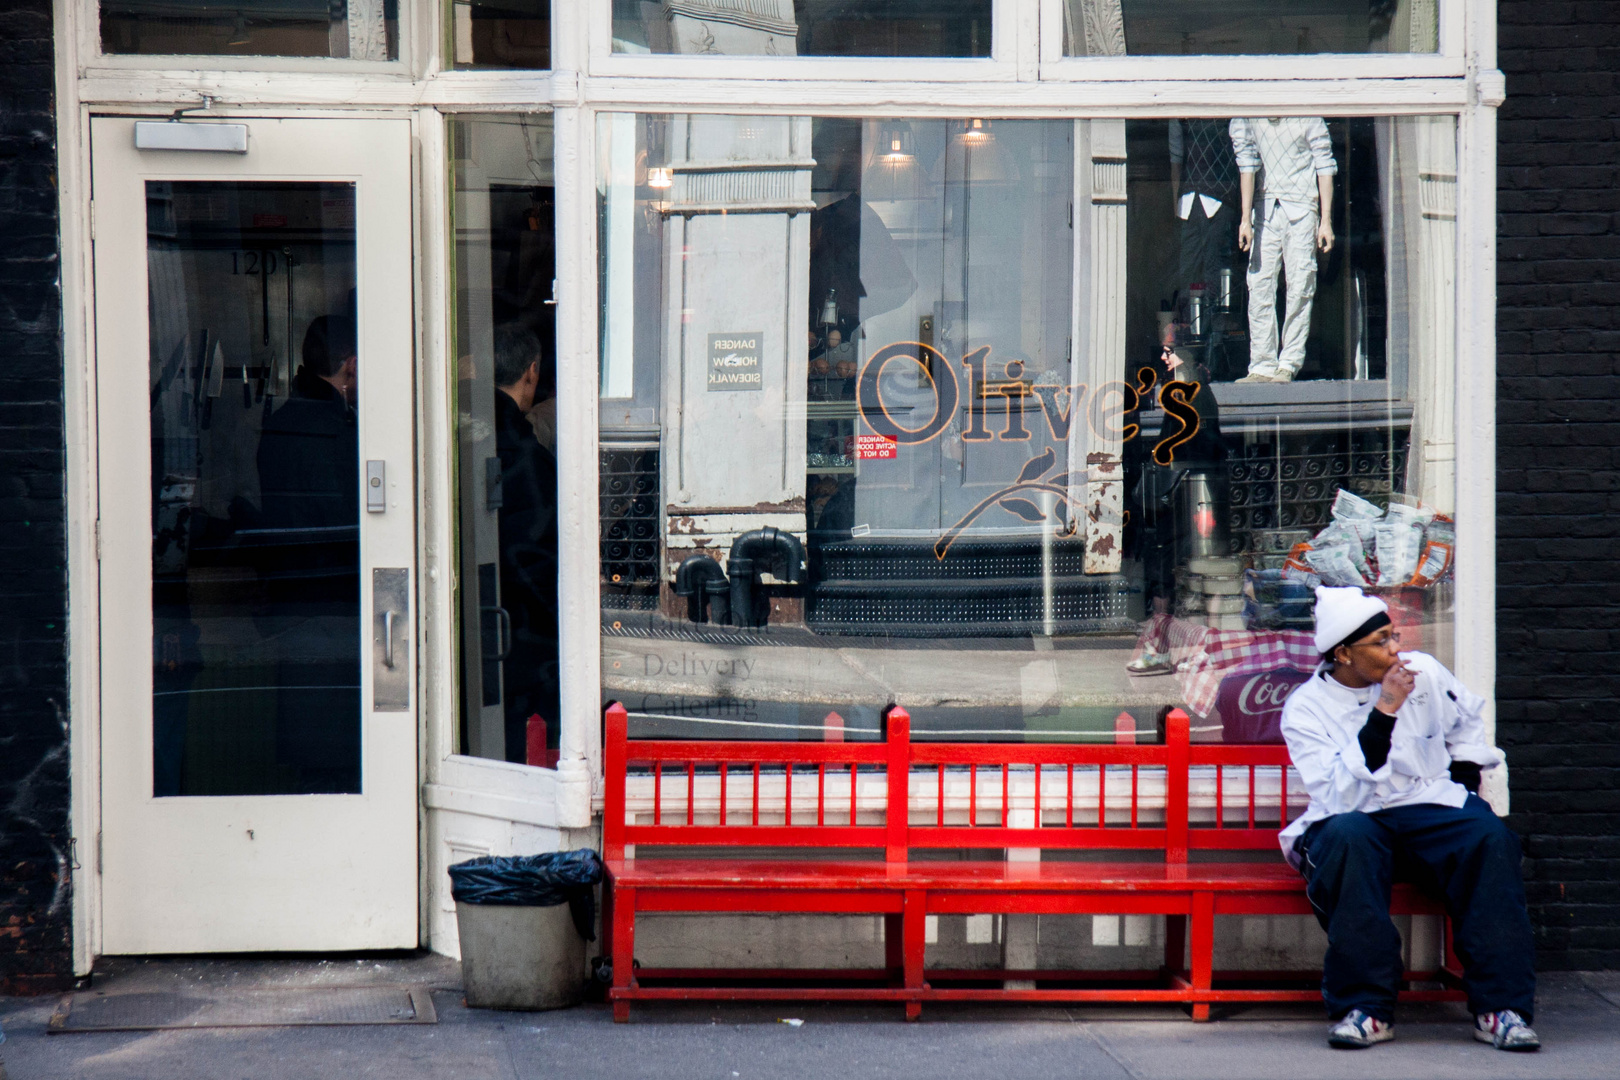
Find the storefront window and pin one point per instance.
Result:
(503, 215)
(1010, 422)
(501, 33)
(1254, 27)
(352, 29)
(803, 27)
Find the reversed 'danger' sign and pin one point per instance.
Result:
(734, 361)
(875, 448)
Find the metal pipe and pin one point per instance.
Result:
(757, 551)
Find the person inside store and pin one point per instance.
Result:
(526, 381)
(1162, 539)
(1391, 747)
(309, 447)
(309, 487)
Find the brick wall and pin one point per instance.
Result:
(1558, 466)
(35, 853)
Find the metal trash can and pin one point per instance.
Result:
(523, 922)
(520, 957)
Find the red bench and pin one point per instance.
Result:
(887, 803)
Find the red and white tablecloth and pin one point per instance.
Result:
(1203, 656)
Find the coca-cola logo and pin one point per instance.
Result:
(1250, 704)
(1262, 693)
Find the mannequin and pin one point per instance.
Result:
(1285, 220)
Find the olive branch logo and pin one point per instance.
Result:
(1032, 479)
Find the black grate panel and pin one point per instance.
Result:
(629, 524)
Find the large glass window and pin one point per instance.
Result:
(1254, 27)
(803, 27)
(1038, 428)
(353, 29)
(506, 407)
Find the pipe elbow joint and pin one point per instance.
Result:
(774, 550)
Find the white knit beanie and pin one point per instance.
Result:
(1341, 613)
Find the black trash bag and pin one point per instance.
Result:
(558, 877)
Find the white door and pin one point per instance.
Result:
(253, 374)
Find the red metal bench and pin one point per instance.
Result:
(894, 797)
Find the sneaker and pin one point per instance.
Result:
(1506, 1030)
(1150, 663)
(1356, 1030)
(1257, 379)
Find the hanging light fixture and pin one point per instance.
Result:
(975, 132)
(661, 178)
(891, 170)
(895, 142)
(974, 155)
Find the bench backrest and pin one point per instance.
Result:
(742, 794)
(898, 794)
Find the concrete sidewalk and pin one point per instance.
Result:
(1578, 1017)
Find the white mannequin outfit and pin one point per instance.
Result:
(1289, 153)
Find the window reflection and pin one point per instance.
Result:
(506, 408)
(1254, 27)
(1011, 421)
(501, 33)
(803, 27)
(352, 29)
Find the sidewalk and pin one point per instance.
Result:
(1578, 1018)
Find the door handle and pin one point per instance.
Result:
(503, 634)
(390, 660)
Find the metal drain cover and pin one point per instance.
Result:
(303, 1006)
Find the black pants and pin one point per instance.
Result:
(1466, 854)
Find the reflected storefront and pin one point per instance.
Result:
(1008, 422)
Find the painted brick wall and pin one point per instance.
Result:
(1558, 466)
(35, 853)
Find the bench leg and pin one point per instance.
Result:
(914, 929)
(624, 948)
(1203, 949)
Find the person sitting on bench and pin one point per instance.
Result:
(1390, 746)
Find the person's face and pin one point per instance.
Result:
(347, 380)
(1372, 656)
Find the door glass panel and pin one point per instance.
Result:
(803, 27)
(1039, 428)
(352, 29)
(506, 409)
(255, 508)
(1251, 27)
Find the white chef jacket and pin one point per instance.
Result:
(1438, 723)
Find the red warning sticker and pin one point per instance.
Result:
(875, 448)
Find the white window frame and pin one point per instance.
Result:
(1025, 77)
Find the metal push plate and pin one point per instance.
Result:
(390, 639)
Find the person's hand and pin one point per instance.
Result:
(1245, 235)
(1324, 236)
(1398, 683)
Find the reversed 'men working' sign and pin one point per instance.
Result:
(734, 361)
